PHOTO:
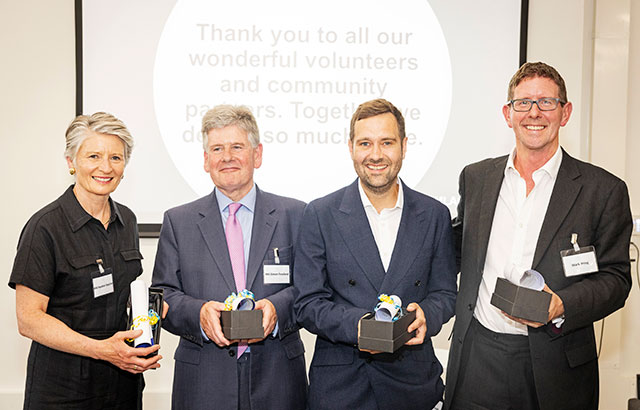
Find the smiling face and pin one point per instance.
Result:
(377, 152)
(535, 130)
(99, 165)
(230, 160)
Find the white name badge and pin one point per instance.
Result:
(276, 275)
(103, 284)
(579, 262)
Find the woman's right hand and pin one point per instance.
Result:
(131, 359)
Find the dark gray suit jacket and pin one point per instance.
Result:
(193, 267)
(339, 274)
(586, 200)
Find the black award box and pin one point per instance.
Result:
(385, 336)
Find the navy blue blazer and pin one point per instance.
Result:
(193, 266)
(339, 275)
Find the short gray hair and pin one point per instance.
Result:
(222, 116)
(101, 122)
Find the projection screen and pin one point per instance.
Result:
(302, 67)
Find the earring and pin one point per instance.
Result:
(72, 171)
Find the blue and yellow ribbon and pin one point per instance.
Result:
(243, 294)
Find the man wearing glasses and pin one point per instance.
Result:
(536, 208)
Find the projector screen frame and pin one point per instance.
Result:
(152, 230)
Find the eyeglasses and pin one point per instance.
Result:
(544, 104)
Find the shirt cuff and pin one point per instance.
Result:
(204, 335)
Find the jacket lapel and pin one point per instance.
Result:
(408, 242)
(353, 225)
(213, 233)
(489, 192)
(264, 224)
(565, 192)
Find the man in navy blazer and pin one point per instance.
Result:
(194, 268)
(375, 236)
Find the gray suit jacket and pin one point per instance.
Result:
(193, 266)
(339, 274)
(586, 200)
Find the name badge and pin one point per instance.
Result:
(276, 275)
(102, 282)
(579, 261)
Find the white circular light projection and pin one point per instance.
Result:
(302, 68)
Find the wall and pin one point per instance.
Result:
(37, 102)
(595, 44)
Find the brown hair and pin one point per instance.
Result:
(539, 69)
(373, 108)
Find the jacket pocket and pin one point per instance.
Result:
(186, 355)
(293, 347)
(133, 263)
(131, 255)
(78, 281)
(580, 355)
(333, 356)
(284, 256)
(80, 262)
(580, 347)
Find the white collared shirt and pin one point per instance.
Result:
(384, 225)
(514, 236)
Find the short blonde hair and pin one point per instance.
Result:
(101, 122)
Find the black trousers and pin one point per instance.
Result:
(495, 372)
(59, 380)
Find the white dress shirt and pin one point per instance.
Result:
(514, 235)
(385, 224)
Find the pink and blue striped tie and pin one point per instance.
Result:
(236, 253)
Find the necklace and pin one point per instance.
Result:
(105, 221)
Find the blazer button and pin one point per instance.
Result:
(232, 353)
(417, 283)
(470, 306)
(352, 282)
(368, 360)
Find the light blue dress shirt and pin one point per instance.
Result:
(245, 217)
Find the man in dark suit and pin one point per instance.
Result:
(203, 249)
(372, 237)
(519, 212)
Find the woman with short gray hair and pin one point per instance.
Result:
(75, 261)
